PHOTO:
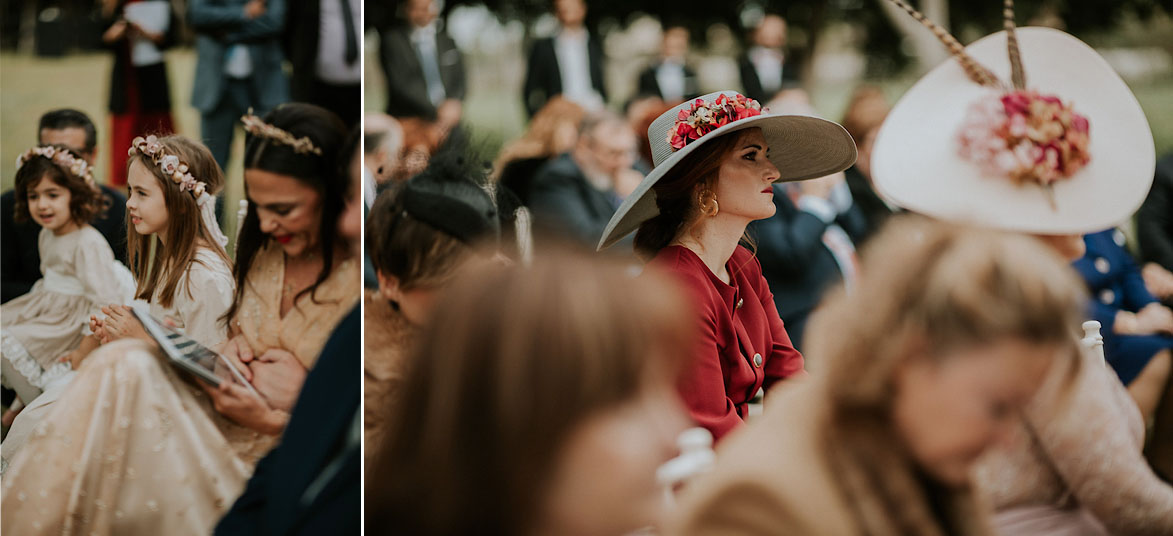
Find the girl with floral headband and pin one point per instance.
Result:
(55, 188)
(716, 161)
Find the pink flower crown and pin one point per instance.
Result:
(169, 164)
(258, 127)
(75, 166)
(1025, 136)
(703, 117)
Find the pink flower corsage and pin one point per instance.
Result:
(702, 118)
(1025, 136)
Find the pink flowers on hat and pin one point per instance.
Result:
(703, 117)
(1025, 136)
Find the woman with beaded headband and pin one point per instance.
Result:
(1008, 135)
(45, 328)
(716, 160)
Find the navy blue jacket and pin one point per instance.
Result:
(320, 430)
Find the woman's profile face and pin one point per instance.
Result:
(745, 179)
(949, 410)
(289, 210)
(604, 478)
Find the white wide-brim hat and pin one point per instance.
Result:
(802, 147)
(916, 165)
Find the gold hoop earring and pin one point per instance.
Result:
(708, 203)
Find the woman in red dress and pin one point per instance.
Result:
(716, 159)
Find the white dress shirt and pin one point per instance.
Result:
(330, 64)
(574, 64)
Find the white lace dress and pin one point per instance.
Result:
(79, 276)
(201, 298)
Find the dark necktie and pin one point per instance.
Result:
(351, 36)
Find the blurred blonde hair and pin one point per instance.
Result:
(538, 140)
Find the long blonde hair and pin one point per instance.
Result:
(927, 288)
(159, 276)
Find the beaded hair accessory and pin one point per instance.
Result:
(75, 166)
(168, 163)
(258, 127)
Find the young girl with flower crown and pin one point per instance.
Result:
(56, 189)
(187, 280)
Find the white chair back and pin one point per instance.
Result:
(1093, 342)
(696, 457)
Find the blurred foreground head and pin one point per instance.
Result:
(539, 399)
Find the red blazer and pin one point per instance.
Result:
(742, 344)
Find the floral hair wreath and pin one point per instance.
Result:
(702, 118)
(1018, 133)
(169, 164)
(62, 157)
(258, 127)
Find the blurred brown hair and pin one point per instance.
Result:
(86, 202)
(866, 109)
(539, 138)
(515, 359)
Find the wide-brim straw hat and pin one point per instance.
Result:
(802, 147)
(916, 164)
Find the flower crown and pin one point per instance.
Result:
(1018, 133)
(703, 117)
(62, 157)
(258, 127)
(168, 163)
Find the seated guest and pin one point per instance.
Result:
(310, 484)
(1137, 329)
(948, 335)
(865, 113)
(538, 400)
(552, 132)
(807, 246)
(184, 449)
(1154, 231)
(21, 260)
(417, 244)
(574, 196)
(1072, 464)
(670, 77)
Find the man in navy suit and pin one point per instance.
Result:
(311, 483)
(569, 64)
(238, 66)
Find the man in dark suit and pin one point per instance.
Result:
(765, 67)
(670, 77)
(21, 258)
(569, 64)
(238, 65)
(311, 483)
(323, 40)
(807, 246)
(573, 196)
(422, 66)
(1154, 220)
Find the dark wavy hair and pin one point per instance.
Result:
(85, 202)
(320, 172)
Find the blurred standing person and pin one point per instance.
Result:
(670, 77)
(569, 64)
(574, 195)
(422, 66)
(551, 133)
(866, 111)
(765, 66)
(323, 40)
(238, 67)
(20, 263)
(137, 31)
